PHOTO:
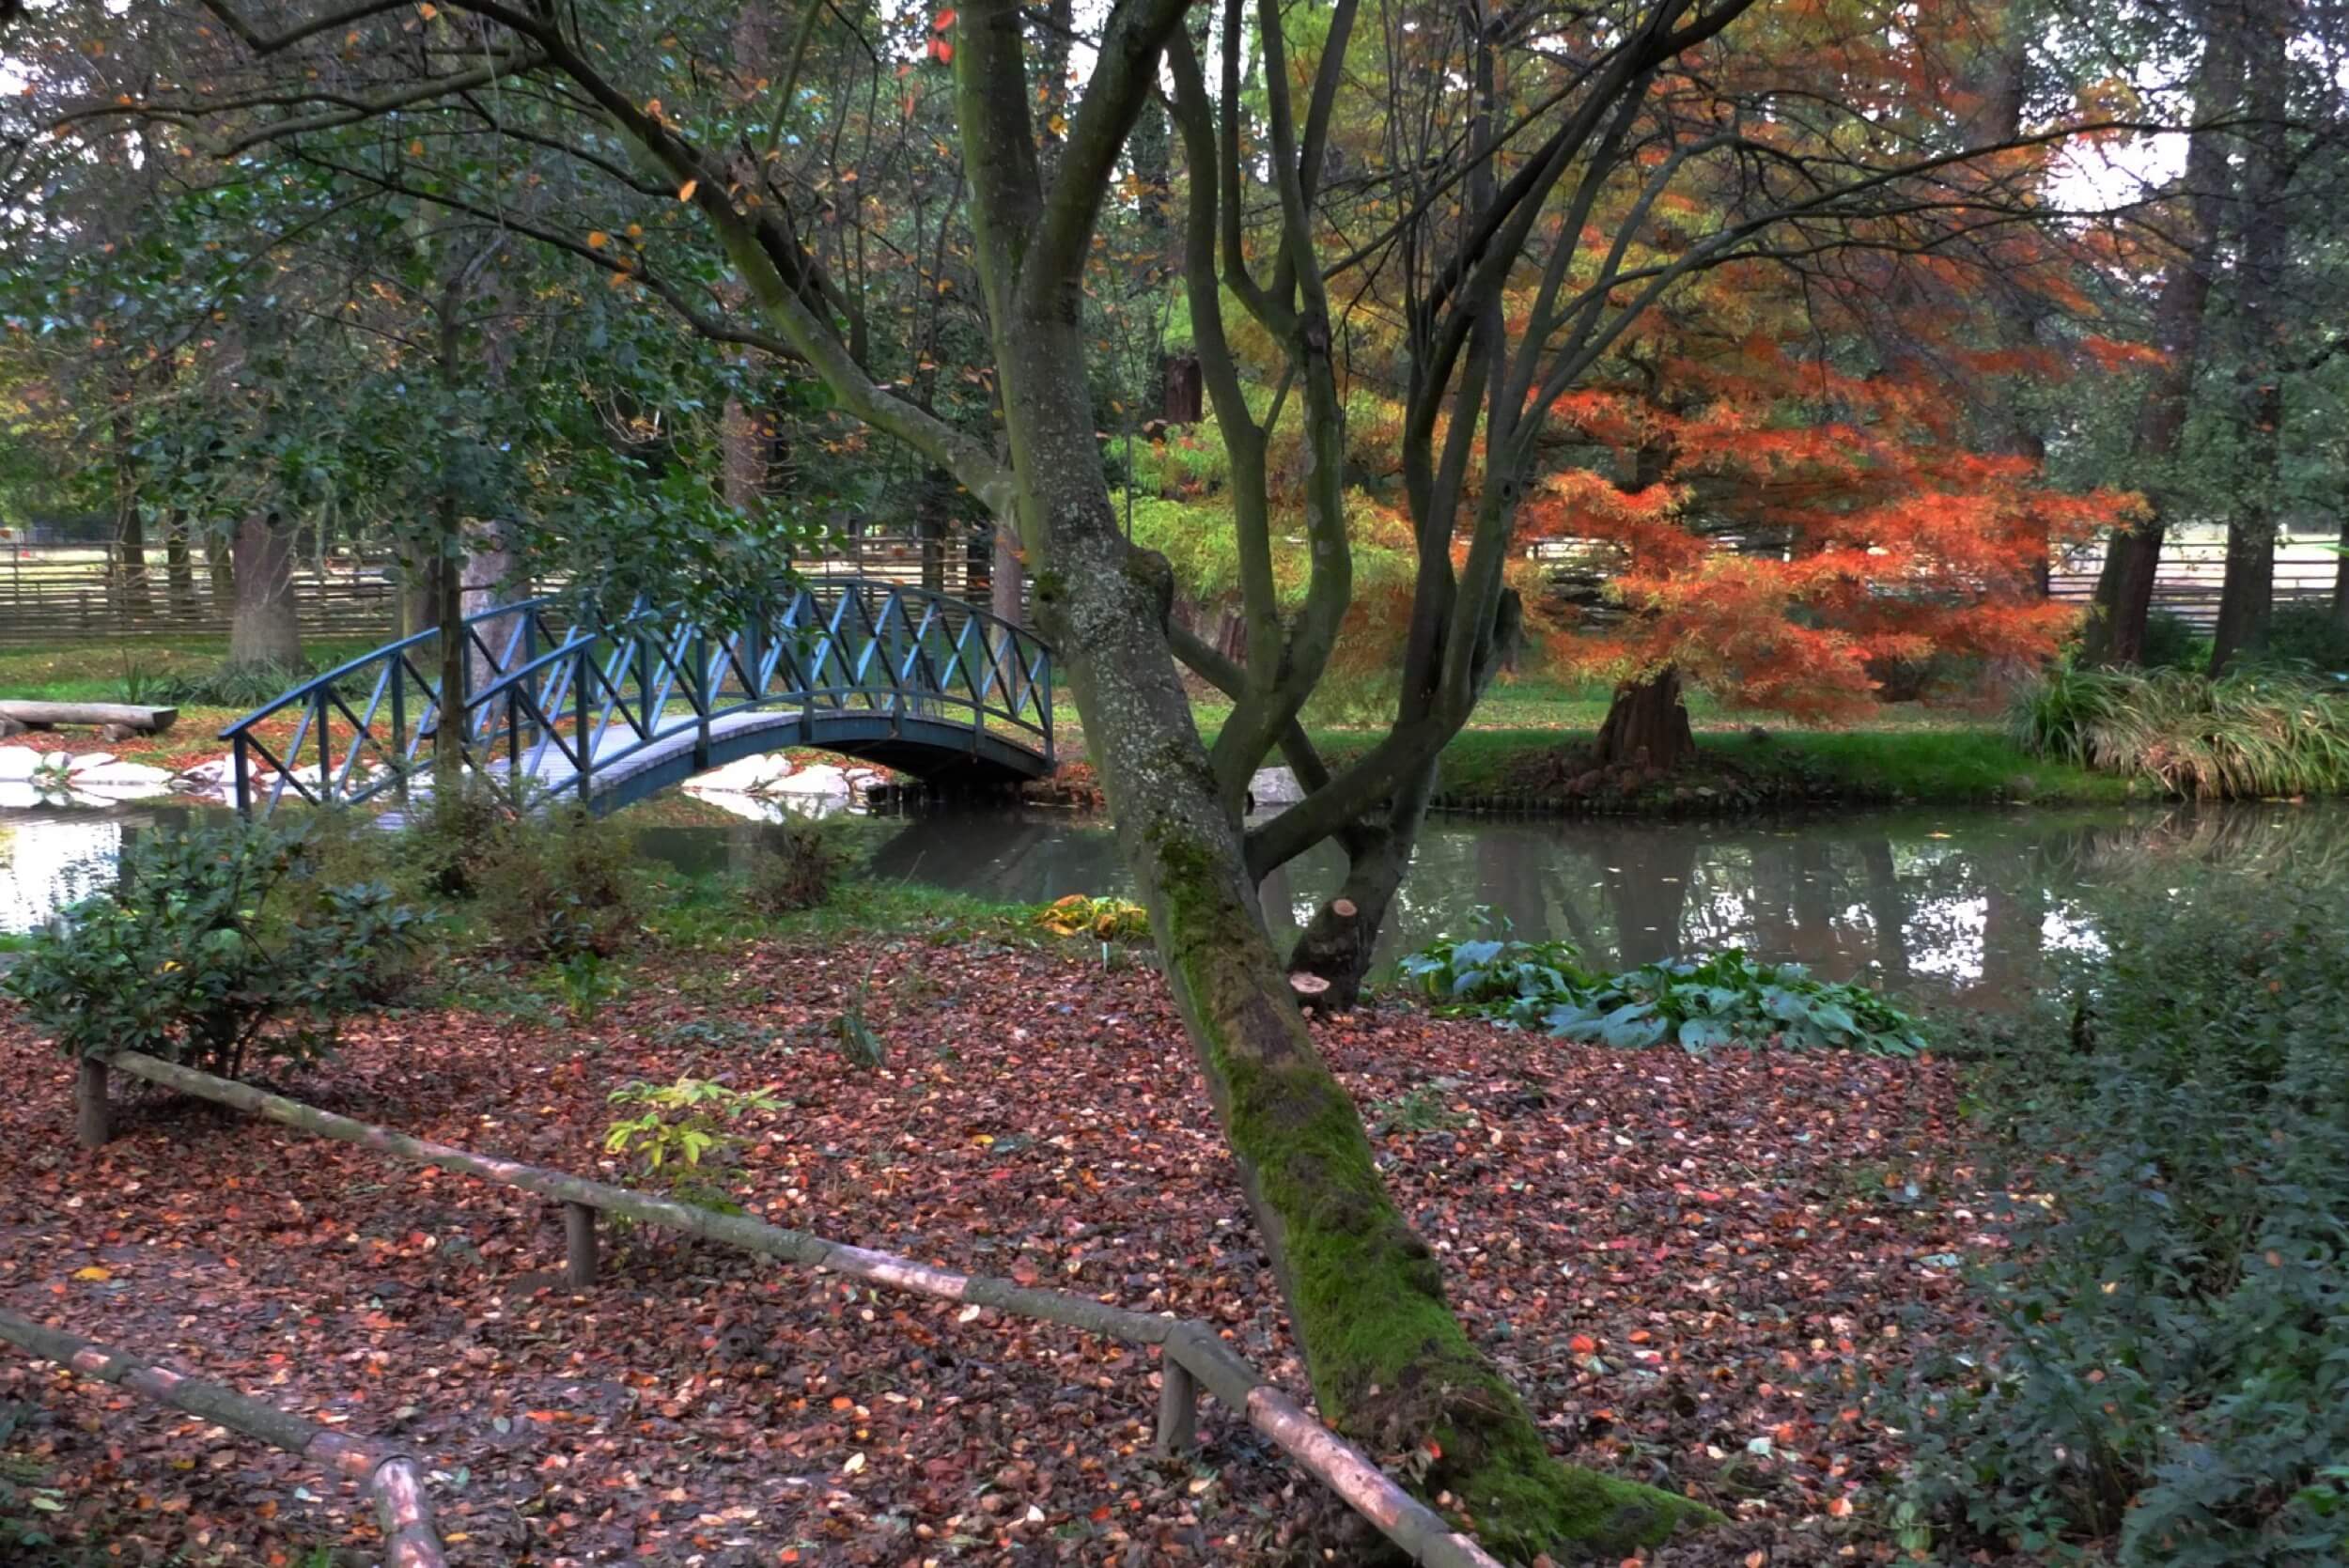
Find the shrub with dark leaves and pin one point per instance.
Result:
(2169, 1379)
(558, 883)
(212, 945)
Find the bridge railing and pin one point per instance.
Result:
(362, 727)
(555, 707)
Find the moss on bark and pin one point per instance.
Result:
(1390, 1365)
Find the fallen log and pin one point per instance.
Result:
(387, 1476)
(1194, 1355)
(118, 720)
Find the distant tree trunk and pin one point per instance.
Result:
(130, 524)
(1647, 725)
(2124, 588)
(2340, 577)
(490, 576)
(744, 434)
(219, 568)
(2247, 599)
(263, 632)
(179, 565)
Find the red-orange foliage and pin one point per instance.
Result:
(1782, 528)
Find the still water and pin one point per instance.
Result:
(1959, 902)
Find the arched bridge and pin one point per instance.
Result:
(609, 713)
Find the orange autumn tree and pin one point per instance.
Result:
(1788, 511)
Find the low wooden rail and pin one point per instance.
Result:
(1192, 1354)
(387, 1476)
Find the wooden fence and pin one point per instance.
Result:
(1191, 1355)
(387, 1476)
(2193, 571)
(55, 596)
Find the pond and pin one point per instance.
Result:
(1961, 902)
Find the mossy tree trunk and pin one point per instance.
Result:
(1390, 1362)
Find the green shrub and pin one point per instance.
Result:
(558, 884)
(2169, 1371)
(239, 686)
(2249, 734)
(2310, 634)
(211, 944)
(1727, 999)
(795, 868)
(682, 1139)
(2171, 643)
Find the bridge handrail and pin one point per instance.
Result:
(352, 666)
(986, 665)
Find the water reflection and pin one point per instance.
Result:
(1962, 902)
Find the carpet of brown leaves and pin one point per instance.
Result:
(1675, 1256)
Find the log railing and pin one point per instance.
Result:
(387, 1476)
(1192, 1356)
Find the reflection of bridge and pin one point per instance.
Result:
(609, 714)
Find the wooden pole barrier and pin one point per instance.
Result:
(1193, 1350)
(91, 1124)
(1179, 1407)
(579, 1246)
(388, 1477)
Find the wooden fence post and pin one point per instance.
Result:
(90, 1121)
(1179, 1406)
(579, 1246)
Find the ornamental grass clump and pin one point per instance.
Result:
(2253, 733)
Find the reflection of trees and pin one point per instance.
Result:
(1648, 889)
(1913, 898)
(1023, 859)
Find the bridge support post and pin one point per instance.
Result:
(1178, 1406)
(579, 1246)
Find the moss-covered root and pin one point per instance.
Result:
(1505, 1488)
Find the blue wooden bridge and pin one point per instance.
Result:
(608, 713)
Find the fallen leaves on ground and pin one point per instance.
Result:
(1675, 1257)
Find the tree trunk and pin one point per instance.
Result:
(2341, 578)
(743, 474)
(219, 568)
(1647, 725)
(489, 577)
(1389, 1363)
(2124, 588)
(129, 559)
(1332, 955)
(2247, 599)
(263, 631)
(179, 565)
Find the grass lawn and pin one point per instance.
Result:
(1907, 750)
